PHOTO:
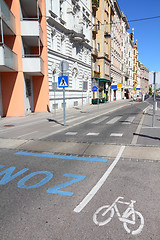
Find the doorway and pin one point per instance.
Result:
(28, 96)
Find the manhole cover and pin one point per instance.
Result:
(10, 125)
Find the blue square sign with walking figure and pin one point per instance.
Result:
(62, 81)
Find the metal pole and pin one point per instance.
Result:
(2, 32)
(54, 85)
(82, 94)
(154, 99)
(98, 94)
(64, 110)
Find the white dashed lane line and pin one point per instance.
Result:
(71, 133)
(92, 134)
(116, 134)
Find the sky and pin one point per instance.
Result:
(146, 32)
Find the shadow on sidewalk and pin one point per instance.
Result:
(146, 136)
(55, 121)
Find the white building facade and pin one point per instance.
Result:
(127, 60)
(69, 40)
(116, 50)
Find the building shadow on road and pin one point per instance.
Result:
(146, 136)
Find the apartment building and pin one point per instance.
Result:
(95, 74)
(103, 47)
(23, 57)
(116, 45)
(127, 60)
(69, 40)
(144, 78)
(136, 81)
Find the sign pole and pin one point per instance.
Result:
(98, 94)
(154, 99)
(63, 83)
(64, 109)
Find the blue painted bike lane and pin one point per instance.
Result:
(40, 188)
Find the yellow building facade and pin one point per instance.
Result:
(135, 63)
(103, 46)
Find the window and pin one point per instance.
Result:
(52, 40)
(98, 47)
(98, 25)
(99, 68)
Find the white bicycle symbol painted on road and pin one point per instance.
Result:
(128, 217)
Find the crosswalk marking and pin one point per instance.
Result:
(116, 134)
(92, 134)
(129, 120)
(100, 120)
(71, 133)
(113, 120)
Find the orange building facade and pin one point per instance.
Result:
(23, 57)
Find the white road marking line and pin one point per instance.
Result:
(150, 127)
(129, 120)
(100, 120)
(99, 184)
(135, 137)
(77, 123)
(116, 134)
(113, 120)
(92, 134)
(71, 133)
(26, 134)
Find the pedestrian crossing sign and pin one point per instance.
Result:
(62, 81)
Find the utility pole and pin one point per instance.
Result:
(154, 99)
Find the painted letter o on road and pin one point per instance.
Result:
(21, 183)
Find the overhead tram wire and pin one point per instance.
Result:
(111, 23)
(134, 20)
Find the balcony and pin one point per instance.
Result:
(33, 65)
(31, 31)
(30, 8)
(95, 74)
(8, 60)
(9, 25)
(95, 5)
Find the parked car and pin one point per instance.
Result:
(146, 96)
(137, 97)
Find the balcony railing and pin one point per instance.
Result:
(8, 59)
(33, 65)
(7, 16)
(30, 27)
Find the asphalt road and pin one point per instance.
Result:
(41, 202)
(100, 186)
(114, 128)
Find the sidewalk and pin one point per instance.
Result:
(146, 147)
(148, 135)
(75, 111)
